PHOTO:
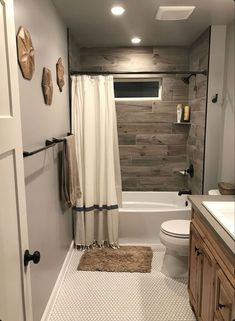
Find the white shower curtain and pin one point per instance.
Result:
(95, 128)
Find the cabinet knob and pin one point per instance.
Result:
(221, 306)
(197, 251)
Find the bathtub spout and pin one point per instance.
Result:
(189, 192)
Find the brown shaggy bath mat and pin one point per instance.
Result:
(124, 259)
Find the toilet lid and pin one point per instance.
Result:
(176, 228)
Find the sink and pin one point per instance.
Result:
(224, 213)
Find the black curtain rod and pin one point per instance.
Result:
(73, 72)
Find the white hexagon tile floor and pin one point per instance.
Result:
(103, 296)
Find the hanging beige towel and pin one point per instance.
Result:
(70, 178)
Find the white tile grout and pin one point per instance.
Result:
(103, 296)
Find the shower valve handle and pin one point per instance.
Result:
(190, 171)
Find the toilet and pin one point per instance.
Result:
(214, 192)
(174, 235)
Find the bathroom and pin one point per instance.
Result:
(191, 63)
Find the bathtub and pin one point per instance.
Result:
(142, 214)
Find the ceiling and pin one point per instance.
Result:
(92, 24)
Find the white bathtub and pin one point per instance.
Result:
(143, 213)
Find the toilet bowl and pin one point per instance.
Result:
(174, 235)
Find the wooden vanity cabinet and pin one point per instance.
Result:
(201, 277)
(194, 268)
(207, 285)
(210, 285)
(224, 297)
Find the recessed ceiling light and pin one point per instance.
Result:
(117, 11)
(174, 12)
(136, 40)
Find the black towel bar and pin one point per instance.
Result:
(59, 140)
(48, 144)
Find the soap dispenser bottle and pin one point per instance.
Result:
(179, 110)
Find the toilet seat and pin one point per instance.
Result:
(179, 229)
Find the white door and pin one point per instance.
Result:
(15, 294)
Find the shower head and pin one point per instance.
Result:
(186, 79)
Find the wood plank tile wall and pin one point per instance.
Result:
(152, 148)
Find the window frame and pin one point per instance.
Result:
(139, 79)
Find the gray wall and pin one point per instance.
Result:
(227, 163)
(50, 226)
(74, 53)
(152, 148)
(215, 112)
(199, 58)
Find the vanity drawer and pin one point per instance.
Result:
(225, 297)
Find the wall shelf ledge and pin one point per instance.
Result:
(182, 123)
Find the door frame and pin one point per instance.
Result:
(13, 142)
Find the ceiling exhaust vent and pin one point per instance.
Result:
(174, 13)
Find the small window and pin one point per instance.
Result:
(137, 89)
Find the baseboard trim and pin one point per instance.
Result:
(58, 284)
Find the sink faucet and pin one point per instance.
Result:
(189, 192)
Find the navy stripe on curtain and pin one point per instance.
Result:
(95, 207)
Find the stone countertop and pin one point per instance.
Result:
(197, 200)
